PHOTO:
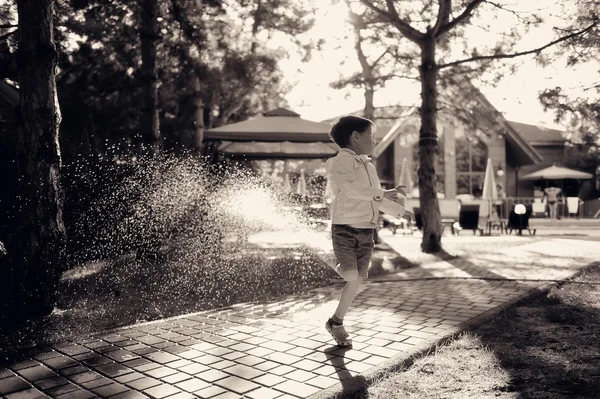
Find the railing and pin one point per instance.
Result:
(540, 209)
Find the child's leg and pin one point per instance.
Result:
(348, 294)
(344, 248)
(364, 251)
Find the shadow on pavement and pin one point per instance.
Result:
(350, 383)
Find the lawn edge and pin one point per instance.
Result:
(405, 360)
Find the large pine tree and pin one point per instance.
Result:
(34, 250)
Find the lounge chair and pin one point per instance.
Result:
(468, 218)
(520, 222)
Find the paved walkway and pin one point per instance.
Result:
(281, 350)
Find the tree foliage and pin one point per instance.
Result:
(454, 43)
(580, 110)
(221, 43)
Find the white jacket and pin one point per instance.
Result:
(357, 191)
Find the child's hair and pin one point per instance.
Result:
(342, 130)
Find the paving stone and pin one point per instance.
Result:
(143, 383)
(209, 392)
(207, 359)
(25, 364)
(269, 380)
(223, 364)
(129, 377)
(161, 391)
(227, 395)
(281, 370)
(307, 365)
(179, 363)
(194, 368)
(183, 395)
(35, 373)
(129, 395)
(300, 375)
(297, 389)
(160, 372)
(234, 355)
(98, 382)
(212, 375)
(47, 355)
(190, 354)
(243, 371)
(175, 378)
(73, 350)
(192, 385)
(110, 390)
(85, 376)
(146, 367)
(30, 393)
(63, 389)
(322, 382)
(79, 394)
(264, 393)
(96, 360)
(265, 366)
(121, 355)
(236, 384)
(51, 382)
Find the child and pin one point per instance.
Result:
(357, 195)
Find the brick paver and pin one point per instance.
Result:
(280, 350)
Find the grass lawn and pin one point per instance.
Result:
(107, 294)
(546, 348)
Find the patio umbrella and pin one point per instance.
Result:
(557, 173)
(405, 176)
(301, 189)
(328, 194)
(490, 192)
(278, 125)
(287, 186)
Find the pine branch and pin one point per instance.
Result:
(521, 53)
(392, 16)
(461, 18)
(443, 15)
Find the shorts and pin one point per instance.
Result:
(353, 248)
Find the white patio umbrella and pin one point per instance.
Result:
(490, 192)
(301, 189)
(328, 194)
(287, 186)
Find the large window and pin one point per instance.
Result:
(471, 158)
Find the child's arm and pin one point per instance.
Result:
(342, 174)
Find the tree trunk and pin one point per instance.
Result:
(258, 20)
(149, 122)
(35, 250)
(430, 211)
(369, 111)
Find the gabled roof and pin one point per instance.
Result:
(539, 135)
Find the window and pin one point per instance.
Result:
(471, 158)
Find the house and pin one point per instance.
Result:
(515, 149)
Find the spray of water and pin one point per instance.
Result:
(216, 235)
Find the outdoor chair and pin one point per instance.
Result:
(520, 222)
(468, 218)
(419, 221)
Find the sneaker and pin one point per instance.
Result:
(338, 333)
